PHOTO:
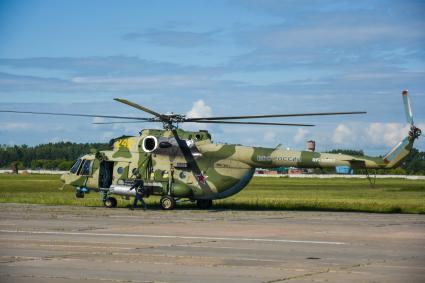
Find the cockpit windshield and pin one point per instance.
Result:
(75, 167)
(85, 170)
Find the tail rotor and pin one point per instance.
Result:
(414, 132)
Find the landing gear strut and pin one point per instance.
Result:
(372, 180)
(204, 203)
(167, 202)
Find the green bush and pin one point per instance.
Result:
(65, 165)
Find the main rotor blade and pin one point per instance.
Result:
(140, 107)
(76, 115)
(252, 123)
(276, 115)
(122, 122)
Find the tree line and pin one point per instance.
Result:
(62, 155)
(59, 155)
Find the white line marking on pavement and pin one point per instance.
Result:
(214, 247)
(174, 237)
(80, 246)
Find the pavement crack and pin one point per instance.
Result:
(297, 276)
(14, 259)
(177, 245)
(193, 243)
(318, 272)
(88, 229)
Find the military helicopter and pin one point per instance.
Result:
(180, 165)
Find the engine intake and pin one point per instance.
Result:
(149, 144)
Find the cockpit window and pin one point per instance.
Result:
(85, 170)
(75, 167)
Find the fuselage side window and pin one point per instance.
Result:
(75, 167)
(85, 169)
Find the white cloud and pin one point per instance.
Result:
(199, 109)
(108, 135)
(269, 136)
(56, 139)
(12, 126)
(31, 129)
(98, 120)
(386, 133)
(128, 128)
(342, 134)
(300, 135)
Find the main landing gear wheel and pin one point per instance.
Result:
(204, 203)
(111, 202)
(79, 194)
(167, 203)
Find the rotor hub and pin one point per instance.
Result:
(414, 132)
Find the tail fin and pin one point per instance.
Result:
(403, 148)
(398, 153)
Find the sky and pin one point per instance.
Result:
(204, 58)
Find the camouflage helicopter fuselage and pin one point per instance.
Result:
(189, 165)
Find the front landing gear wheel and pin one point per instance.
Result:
(79, 194)
(110, 202)
(204, 203)
(167, 203)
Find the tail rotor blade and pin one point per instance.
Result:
(407, 107)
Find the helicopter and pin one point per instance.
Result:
(179, 165)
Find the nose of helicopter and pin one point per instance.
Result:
(63, 178)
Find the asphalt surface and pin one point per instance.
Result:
(80, 244)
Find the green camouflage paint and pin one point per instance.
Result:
(216, 170)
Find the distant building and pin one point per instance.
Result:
(311, 145)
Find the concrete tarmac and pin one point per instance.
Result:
(94, 244)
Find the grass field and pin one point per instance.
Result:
(389, 195)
